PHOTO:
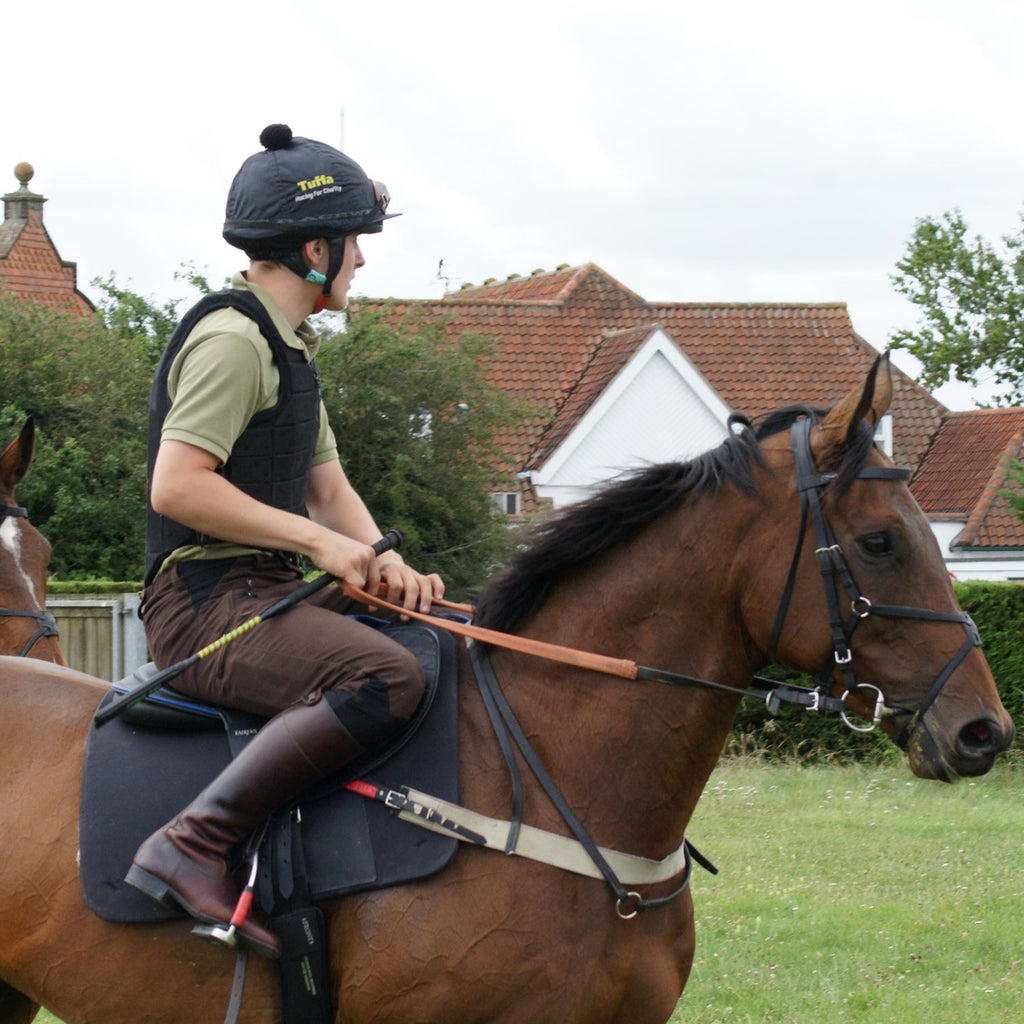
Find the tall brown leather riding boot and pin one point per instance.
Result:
(184, 863)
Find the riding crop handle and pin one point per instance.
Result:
(389, 542)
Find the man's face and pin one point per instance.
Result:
(343, 282)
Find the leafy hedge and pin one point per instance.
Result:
(55, 587)
(997, 608)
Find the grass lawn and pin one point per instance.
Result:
(856, 895)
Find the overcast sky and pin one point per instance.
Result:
(734, 151)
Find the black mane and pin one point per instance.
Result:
(632, 501)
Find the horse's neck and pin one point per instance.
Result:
(634, 755)
(45, 710)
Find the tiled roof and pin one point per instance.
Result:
(964, 476)
(540, 287)
(560, 334)
(10, 231)
(762, 356)
(30, 265)
(608, 356)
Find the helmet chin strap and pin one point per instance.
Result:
(296, 262)
(315, 277)
(335, 258)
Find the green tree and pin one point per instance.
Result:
(131, 315)
(418, 428)
(416, 420)
(88, 391)
(970, 297)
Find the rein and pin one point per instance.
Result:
(47, 624)
(622, 668)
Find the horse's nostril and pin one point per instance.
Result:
(981, 732)
(982, 737)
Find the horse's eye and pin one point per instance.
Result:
(876, 544)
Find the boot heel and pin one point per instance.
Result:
(153, 887)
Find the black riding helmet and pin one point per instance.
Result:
(295, 190)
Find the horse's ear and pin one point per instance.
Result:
(869, 402)
(17, 456)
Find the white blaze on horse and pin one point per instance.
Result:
(705, 571)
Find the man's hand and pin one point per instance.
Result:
(401, 584)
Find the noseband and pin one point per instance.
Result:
(47, 624)
(835, 573)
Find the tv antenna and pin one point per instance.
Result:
(441, 276)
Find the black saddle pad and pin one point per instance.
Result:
(137, 778)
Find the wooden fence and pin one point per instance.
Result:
(101, 634)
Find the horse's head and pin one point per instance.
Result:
(26, 627)
(868, 603)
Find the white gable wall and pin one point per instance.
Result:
(658, 409)
(976, 564)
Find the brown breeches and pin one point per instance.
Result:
(373, 684)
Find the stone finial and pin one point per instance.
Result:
(24, 172)
(17, 204)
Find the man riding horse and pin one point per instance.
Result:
(244, 480)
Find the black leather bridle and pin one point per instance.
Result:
(46, 623)
(836, 574)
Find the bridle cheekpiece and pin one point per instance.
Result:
(836, 577)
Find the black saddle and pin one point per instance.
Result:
(144, 766)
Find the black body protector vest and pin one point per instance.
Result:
(272, 458)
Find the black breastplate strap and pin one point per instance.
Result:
(509, 731)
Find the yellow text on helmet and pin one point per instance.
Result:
(320, 179)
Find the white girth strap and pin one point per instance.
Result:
(545, 847)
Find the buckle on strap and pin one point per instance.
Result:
(809, 700)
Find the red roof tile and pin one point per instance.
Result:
(559, 334)
(609, 355)
(964, 475)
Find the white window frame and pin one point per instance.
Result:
(506, 502)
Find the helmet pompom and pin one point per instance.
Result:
(276, 136)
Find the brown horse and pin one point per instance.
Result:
(26, 627)
(699, 568)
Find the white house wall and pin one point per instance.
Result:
(658, 409)
(974, 564)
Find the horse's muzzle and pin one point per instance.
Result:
(969, 752)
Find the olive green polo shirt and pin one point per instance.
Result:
(223, 375)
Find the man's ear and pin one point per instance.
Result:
(314, 250)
